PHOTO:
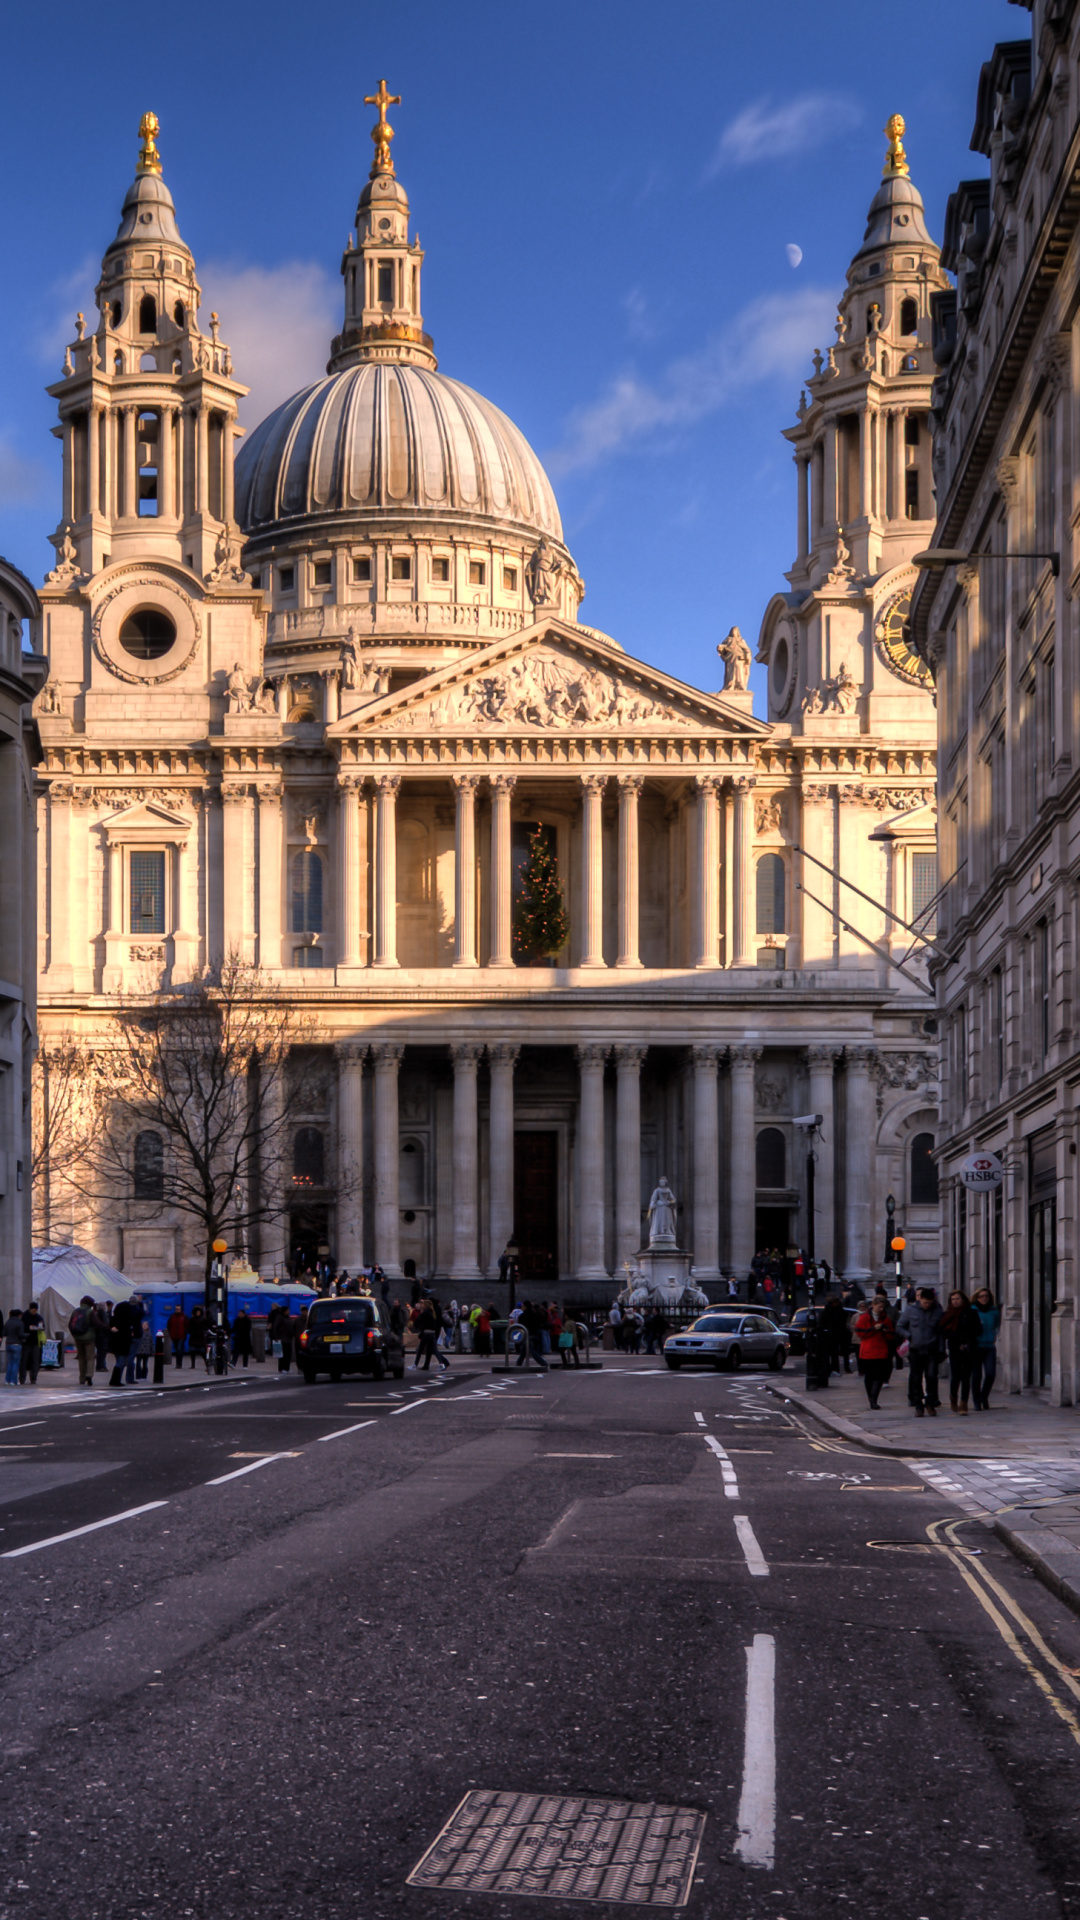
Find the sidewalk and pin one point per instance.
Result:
(1016, 1468)
(58, 1386)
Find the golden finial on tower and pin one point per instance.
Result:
(149, 157)
(383, 132)
(896, 159)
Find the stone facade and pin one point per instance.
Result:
(1000, 631)
(328, 755)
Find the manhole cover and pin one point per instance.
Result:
(641, 1852)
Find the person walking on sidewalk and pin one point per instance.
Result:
(877, 1338)
(83, 1332)
(984, 1363)
(120, 1342)
(960, 1327)
(33, 1335)
(428, 1327)
(13, 1340)
(920, 1325)
(176, 1328)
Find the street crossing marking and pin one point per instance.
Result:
(755, 1559)
(342, 1431)
(252, 1467)
(57, 1539)
(756, 1844)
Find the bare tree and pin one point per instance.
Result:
(195, 1087)
(66, 1088)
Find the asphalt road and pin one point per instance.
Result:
(268, 1693)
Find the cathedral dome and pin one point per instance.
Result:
(392, 437)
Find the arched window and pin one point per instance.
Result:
(909, 316)
(178, 313)
(148, 314)
(148, 1182)
(307, 890)
(116, 313)
(771, 1158)
(309, 1159)
(924, 1180)
(770, 894)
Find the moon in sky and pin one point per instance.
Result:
(794, 254)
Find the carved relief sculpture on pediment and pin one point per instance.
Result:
(540, 689)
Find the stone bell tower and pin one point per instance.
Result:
(147, 402)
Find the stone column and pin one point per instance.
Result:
(861, 1132)
(821, 1061)
(629, 785)
(502, 873)
(237, 920)
(865, 463)
(227, 491)
(802, 464)
(899, 460)
(743, 1183)
(466, 1058)
(708, 871)
(386, 790)
(330, 695)
(166, 491)
(348, 852)
(387, 1057)
(350, 1146)
(744, 905)
(592, 869)
(93, 460)
(465, 785)
(590, 1161)
(202, 459)
(706, 1247)
(828, 481)
(502, 1059)
(270, 873)
(628, 1063)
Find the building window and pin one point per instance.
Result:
(385, 295)
(178, 313)
(477, 573)
(147, 634)
(307, 892)
(361, 567)
(307, 957)
(997, 1019)
(770, 894)
(1042, 987)
(510, 575)
(771, 1158)
(148, 314)
(924, 886)
(401, 567)
(148, 1167)
(911, 493)
(911, 429)
(320, 573)
(923, 1187)
(440, 567)
(146, 434)
(147, 881)
(961, 1039)
(909, 316)
(287, 579)
(309, 1159)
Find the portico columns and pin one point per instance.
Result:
(270, 825)
(387, 1057)
(629, 785)
(706, 1247)
(502, 953)
(861, 1131)
(274, 1171)
(502, 1060)
(628, 1062)
(743, 1184)
(592, 869)
(348, 852)
(465, 785)
(590, 1163)
(744, 905)
(821, 1061)
(386, 790)
(237, 872)
(350, 1204)
(708, 871)
(466, 1057)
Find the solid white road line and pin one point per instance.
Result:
(756, 1844)
(22, 1426)
(252, 1467)
(731, 1484)
(56, 1539)
(410, 1407)
(755, 1559)
(342, 1431)
(700, 1418)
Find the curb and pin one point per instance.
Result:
(1058, 1570)
(850, 1430)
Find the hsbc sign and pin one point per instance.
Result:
(982, 1171)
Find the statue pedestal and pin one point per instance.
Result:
(666, 1270)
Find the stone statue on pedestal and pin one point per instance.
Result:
(662, 1216)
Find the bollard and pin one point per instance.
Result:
(159, 1360)
(817, 1353)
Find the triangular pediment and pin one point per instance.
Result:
(550, 677)
(146, 817)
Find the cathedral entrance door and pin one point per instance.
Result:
(536, 1205)
(309, 1229)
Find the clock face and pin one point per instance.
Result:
(895, 648)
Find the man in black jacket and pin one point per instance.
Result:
(121, 1335)
(920, 1326)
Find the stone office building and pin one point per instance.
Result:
(314, 714)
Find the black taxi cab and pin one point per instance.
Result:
(350, 1335)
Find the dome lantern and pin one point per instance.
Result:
(381, 267)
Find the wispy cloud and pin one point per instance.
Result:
(772, 131)
(22, 480)
(278, 322)
(770, 338)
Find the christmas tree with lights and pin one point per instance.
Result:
(541, 926)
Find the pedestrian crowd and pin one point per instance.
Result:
(922, 1335)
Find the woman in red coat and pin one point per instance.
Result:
(877, 1338)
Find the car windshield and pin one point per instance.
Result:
(716, 1323)
(343, 1313)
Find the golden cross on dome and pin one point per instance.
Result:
(896, 160)
(383, 133)
(149, 157)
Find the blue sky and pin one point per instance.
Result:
(606, 192)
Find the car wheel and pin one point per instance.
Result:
(734, 1360)
(776, 1360)
(309, 1376)
(335, 1373)
(399, 1373)
(674, 1365)
(378, 1368)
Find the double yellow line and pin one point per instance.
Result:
(997, 1602)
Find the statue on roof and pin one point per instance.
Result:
(735, 655)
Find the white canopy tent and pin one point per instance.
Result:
(62, 1275)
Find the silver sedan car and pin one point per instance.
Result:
(722, 1339)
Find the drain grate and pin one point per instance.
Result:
(566, 1849)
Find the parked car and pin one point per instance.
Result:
(350, 1335)
(720, 1339)
(795, 1328)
